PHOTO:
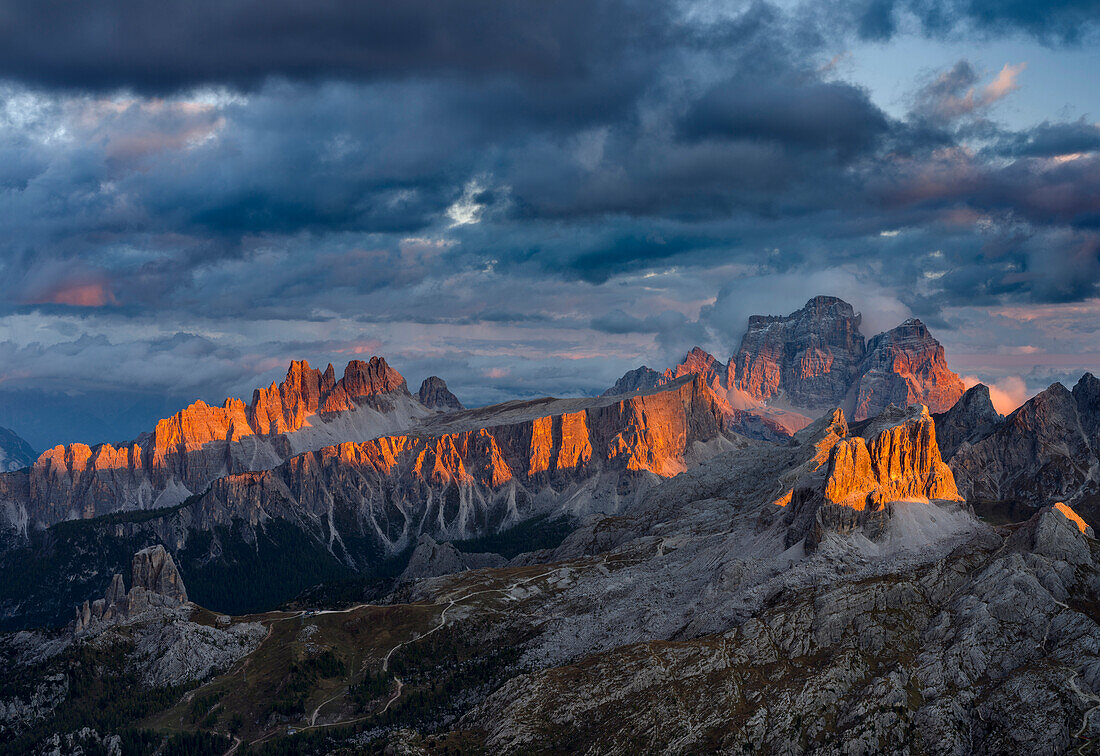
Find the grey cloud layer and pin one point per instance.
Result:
(470, 183)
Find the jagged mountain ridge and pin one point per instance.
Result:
(480, 471)
(830, 595)
(1047, 450)
(815, 359)
(201, 443)
(354, 507)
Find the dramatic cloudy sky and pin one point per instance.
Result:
(529, 197)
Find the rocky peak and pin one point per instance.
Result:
(1043, 452)
(639, 379)
(971, 419)
(434, 394)
(895, 458)
(155, 584)
(1056, 532)
(810, 356)
(369, 378)
(1087, 395)
(155, 571)
(898, 458)
(905, 365)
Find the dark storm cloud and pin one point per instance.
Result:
(1051, 139)
(159, 47)
(798, 112)
(1050, 21)
(521, 197)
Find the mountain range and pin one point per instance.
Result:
(824, 544)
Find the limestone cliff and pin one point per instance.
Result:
(811, 356)
(475, 472)
(816, 359)
(893, 458)
(903, 366)
(898, 459)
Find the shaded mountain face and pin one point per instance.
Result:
(1048, 450)
(15, 453)
(199, 444)
(810, 357)
(434, 394)
(815, 359)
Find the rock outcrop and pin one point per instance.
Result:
(971, 419)
(432, 559)
(155, 583)
(894, 458)
(15, 453)
(639, 379)
(898, 459)
(187, 451)
(434, 394)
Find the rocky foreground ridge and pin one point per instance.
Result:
(816, 359)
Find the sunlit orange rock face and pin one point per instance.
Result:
(904, 366)
(900, 461)
(458, 483)
(200, 443)
(850, 479)
(1072, 516)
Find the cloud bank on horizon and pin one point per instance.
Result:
(530, 198)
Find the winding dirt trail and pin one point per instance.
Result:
(386, 659)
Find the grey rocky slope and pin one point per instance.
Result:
(1048, 450)
(692, 623)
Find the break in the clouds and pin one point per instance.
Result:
(527, 197)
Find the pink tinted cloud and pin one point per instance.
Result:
(1006, 394)
(76, 294)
